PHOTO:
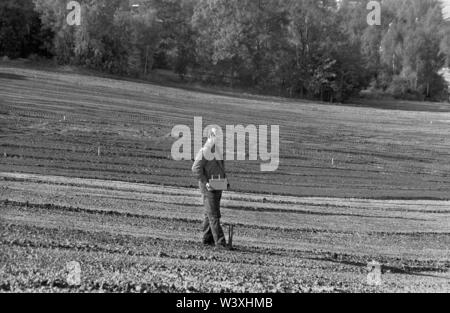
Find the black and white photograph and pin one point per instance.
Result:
(224, 152)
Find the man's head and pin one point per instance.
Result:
(212, 135)
(213, 144)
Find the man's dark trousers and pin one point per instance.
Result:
(212, 231)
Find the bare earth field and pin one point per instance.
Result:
(132, 215)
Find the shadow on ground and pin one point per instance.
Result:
(12, 76)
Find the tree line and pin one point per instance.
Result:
(318, 49)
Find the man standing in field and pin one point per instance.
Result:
(204, 169)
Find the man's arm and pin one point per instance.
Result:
(198, 167)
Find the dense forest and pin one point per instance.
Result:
(320, 49)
